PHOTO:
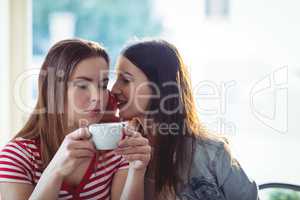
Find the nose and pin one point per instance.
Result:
(95, 94)
(116, 89)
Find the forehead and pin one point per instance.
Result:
(95, 67)
(124, 65)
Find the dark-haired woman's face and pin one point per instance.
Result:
(131, 89)
(87, 92)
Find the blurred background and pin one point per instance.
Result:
(243, 57)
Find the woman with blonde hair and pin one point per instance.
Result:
(53, 156)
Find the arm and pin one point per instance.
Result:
(75, 148)
(15, 175)
(15, 179)
(128, 184)
(118, 184)
(17, 191)
(134, 187)
(48, 186)
(137, 151)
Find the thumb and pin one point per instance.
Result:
(80, 134)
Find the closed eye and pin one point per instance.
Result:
(81, 84)
(125, 79)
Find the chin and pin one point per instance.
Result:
(97, 120)
(90, 120)
(125, 116)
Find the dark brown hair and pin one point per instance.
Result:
(162, 64)
(47, 123)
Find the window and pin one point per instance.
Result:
(111, 23)
(217, 8)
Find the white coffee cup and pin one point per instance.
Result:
(106, 136)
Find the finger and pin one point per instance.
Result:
(80, 134)
(136, 122)
(141, 141)
(82, 144)
(135, 157)
(81, 153)
(131, 132)
(133, 150)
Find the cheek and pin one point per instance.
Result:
(104, 96)
(78, 100)
(125, 90)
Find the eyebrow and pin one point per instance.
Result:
(90, 80)
(84, 78)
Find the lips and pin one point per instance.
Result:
(93, 113)
(95, 110)
(121, 100)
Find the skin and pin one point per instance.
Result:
(87, 92)
(133, 93)
(87, 97)
(131, 89)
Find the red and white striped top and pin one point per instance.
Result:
(20, 162)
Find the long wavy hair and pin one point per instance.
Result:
(164, 68)
(47, 123)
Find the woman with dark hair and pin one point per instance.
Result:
(53, 156)
(188, 162)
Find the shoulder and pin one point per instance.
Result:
(20, 151)
(213, 148)
(21, 146)
(214, 169)
(212, 158)
(222, 164)
(17, 161)
(28, 143)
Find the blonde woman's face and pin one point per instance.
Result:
(87, 94)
